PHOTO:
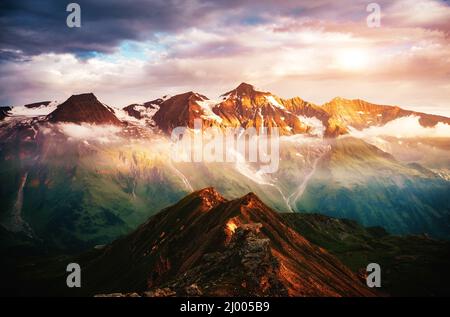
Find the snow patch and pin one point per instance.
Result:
(274, 102)
(122, 115)
(146, 114)
(261, 116)
(207, 106)
(317, 127)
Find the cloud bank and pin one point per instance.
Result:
(406, 127)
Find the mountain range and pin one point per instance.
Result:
(243, 106)
(82, 174)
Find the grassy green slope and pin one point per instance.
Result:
(358, 181)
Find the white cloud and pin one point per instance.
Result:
(406, 127)
(90, 133)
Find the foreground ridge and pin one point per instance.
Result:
(205, 245)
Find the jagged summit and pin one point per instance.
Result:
(244, 89)
(250, 198)
(209, 198)
(339, 99)
(244, 85)
(180, 110)
(209, 192)
(84, 108)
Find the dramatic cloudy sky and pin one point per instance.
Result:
(133, 51)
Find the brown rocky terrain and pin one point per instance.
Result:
(206, 245)
(241, 107)
(84, 108)
(247, 107)
(361, 114)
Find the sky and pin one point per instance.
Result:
(135, 51)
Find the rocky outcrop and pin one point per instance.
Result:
(4, 112)
(246, 263)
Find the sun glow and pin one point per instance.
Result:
(352, 59)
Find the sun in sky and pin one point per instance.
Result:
(352, 59)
